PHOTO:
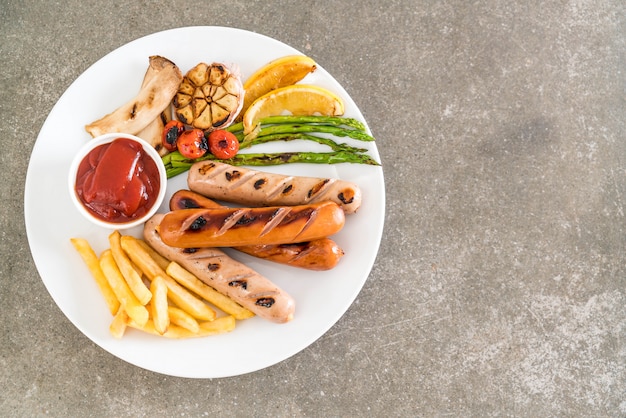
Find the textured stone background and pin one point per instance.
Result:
(499, 289)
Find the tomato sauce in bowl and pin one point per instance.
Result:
(118, 181)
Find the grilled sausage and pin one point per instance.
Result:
(222, 181)
(186, 199)
(229, 277)
(231, 227)
(319, 254)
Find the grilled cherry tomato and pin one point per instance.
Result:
(192, 143)
(223, 144)
(171, 132)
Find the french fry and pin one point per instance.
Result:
(188, 302)
(158, 305)
(133, 279)
(128, 301)
(91, 260)
(177, 293)
(183, 319)
(218, 326)
(118, 325)
(141, 257)
(161, 261)
(174, 306)
(191, 282)
(147, 327)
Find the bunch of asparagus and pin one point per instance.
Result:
(288, 128)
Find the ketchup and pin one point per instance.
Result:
(118, 182)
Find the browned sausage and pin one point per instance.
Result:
(319, 254)
(222, 181)
(229, 277)
(186, 199)
(231, 227)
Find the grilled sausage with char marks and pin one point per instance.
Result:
(229, 277)
(222, 181)
(232, 227)
(319, 254)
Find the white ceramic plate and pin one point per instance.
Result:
(51, 219)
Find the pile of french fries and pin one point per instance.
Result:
(146, 291)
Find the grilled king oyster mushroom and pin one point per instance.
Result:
(159, 86)
(210, 96)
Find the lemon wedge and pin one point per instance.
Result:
(278, 73)
(297, 99)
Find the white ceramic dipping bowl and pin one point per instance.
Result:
(105, 139)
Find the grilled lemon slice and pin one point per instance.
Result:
(210, 96)
(278, 73)
(297, 99)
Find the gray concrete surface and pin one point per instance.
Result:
(499, 289)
